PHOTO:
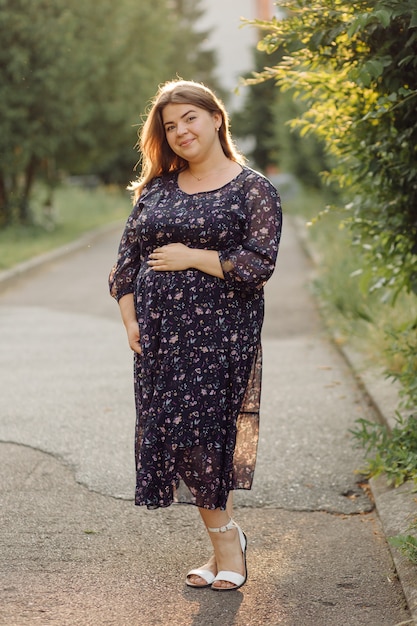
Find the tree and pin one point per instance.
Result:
(74, 81)
(190, 57)
(130, 50)
(265, 117)
(353, 64)
(34, 103)
(257, 118)
(157, 42)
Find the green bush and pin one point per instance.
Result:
(390, 452)
(383, 331)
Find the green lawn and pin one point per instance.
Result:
(75, 212)
(355, 316)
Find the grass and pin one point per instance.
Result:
(75, 211)
(382, 333)
(365, 321)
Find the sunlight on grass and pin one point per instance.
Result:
(75, 212)
(354, 316)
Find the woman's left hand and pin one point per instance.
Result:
(171, 258)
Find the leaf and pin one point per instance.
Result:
(374, 68)
(413, 20)
(358, 24)
(407, 545)
(407, 59)
(384, 16)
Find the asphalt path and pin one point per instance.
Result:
(74, 548)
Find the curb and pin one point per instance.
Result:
(38, 262)
(396, 506)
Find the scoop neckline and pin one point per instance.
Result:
(199, 193)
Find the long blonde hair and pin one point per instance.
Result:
(157, 158)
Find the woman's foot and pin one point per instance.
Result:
(230, 548)
(209, 570)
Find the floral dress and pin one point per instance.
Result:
(198, 378)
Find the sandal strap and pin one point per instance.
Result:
(223, 529)
(205, 574)
(230, 577)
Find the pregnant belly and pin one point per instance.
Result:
(183, 310)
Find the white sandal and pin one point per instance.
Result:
(205, 574)
(231, 577)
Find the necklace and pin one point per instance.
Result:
(200, 178)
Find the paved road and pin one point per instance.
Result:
(75, 551)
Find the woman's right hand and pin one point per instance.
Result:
(127, 310)
(133, 337)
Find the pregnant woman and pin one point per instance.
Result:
(197, 249)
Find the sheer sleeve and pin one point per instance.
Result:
(249, 266)
(124, 272)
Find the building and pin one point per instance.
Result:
(233, 42)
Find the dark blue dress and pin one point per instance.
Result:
(198, 379)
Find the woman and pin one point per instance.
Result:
(200, 243)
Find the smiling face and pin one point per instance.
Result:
(191, 131)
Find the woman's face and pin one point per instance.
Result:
(191, 132)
